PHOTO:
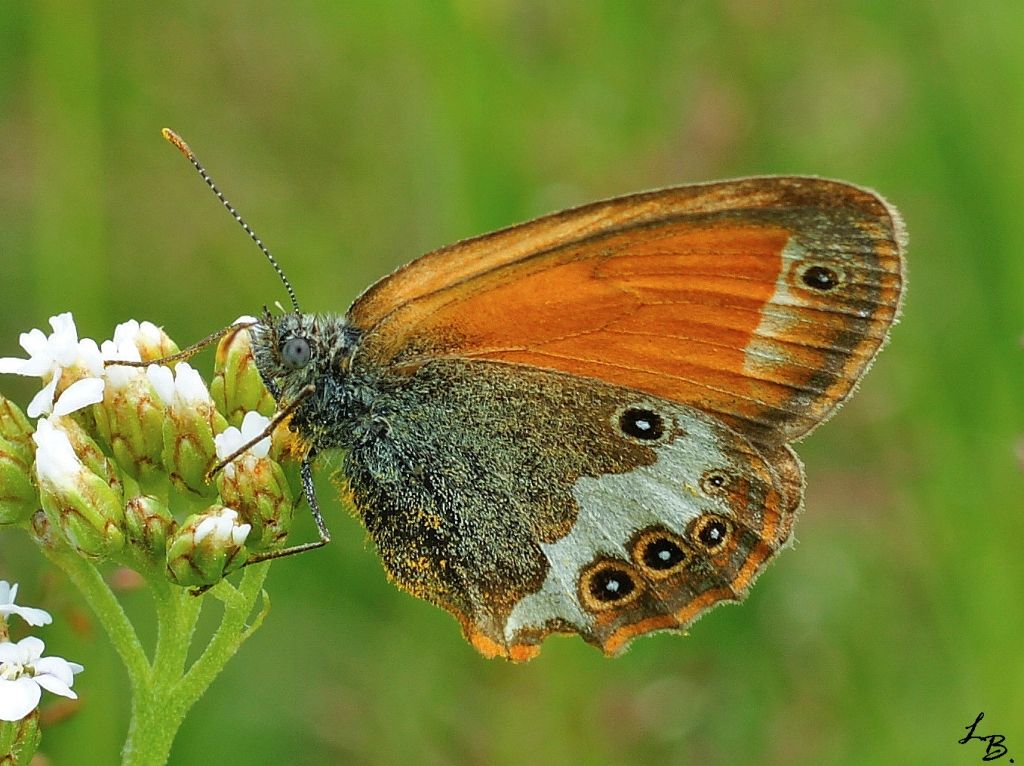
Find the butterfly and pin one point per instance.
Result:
(582, 424)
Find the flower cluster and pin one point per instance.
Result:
(120, 457)
(24, 671)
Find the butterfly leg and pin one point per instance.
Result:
(306, 471)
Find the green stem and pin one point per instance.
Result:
(233, 632)
(163, 691)
(107, 609)
(159, 707)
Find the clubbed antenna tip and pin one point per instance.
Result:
(184, 148)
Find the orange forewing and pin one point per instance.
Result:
(692, 294)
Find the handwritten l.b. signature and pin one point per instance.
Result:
(994, 748)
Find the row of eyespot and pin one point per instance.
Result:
(656, 554)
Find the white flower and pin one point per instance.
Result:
(121, 350)
(29, 614)
(182, 388)
(49, 356)
(139, 334)
(134, 340)
(221, 528)
(56, 461)
(232, 439)
(24, 673)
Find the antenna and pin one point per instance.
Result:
(182, 147)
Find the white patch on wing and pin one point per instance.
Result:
(763, 353)
(613, 507)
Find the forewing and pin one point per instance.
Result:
(760, 300)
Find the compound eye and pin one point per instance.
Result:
(295, 353)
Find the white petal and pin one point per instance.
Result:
(228, 514)
(34, 342)
(33, 648)
(39, 363)
(121, 350)
(221, 530)
(33, 368)
(9, 594)
(89, 356)
(11, 653)
(54, 685)
(63, 343)
(227, 441)
(31, 615)
(190, 386)
(126, 332)
(58, 667)
(54, 668)
(42, 403)
(220, 527)
(150, 335)
(56, 461)
(18, 698)
(64, 325)
(253, 424)
(204, 529)
(79, 394)
(162, 380)
(11, 365)
(239, 533)
(115, 375)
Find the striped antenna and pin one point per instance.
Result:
(179, 142)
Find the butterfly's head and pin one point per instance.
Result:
(295, 351)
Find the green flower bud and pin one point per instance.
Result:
(18, 496)
(207, 547)
(148, 523)
(130, 419)
(255, 484)
(188, 428)
(17, 429)
(237, 387)
(78, 502)
(19, 739)
(258, 488)
(89, 452)
(151, 341)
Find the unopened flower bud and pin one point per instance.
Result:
(148, 523)
(78, 502)
(18, 496)
(131, 416)
(16, 428)
(207, 547)
(151, 341)
(237, 387)
(255, 484)
(19, 739)
(89, 452)
(188, 428)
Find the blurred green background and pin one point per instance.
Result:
(355, 136)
